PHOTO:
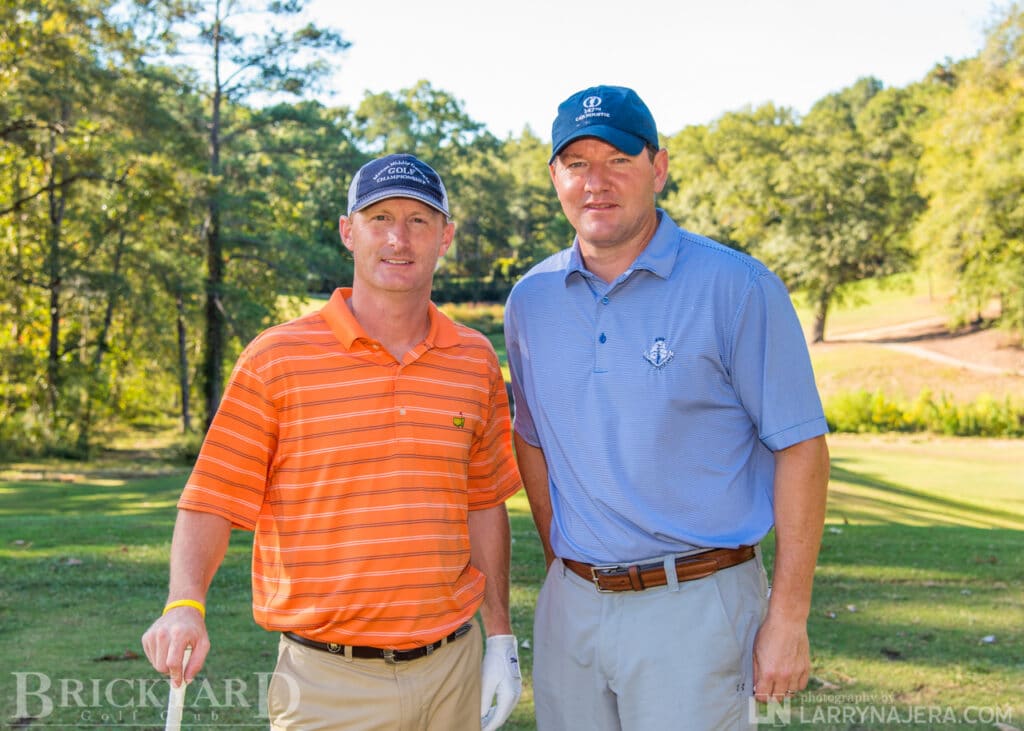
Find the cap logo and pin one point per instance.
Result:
(591, 109)
(401, 171)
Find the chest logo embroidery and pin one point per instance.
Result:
(658, 354)
(459, 421)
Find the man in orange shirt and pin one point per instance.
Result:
(368, 446)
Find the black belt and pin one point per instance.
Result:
(370, 653)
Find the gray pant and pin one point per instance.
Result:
(672, 657)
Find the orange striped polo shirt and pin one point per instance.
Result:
(357, 473)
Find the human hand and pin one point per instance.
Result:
(782, 659)
(166, 639)
(501, 681)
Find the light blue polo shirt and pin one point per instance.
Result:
(659, 398)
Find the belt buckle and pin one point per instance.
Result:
(389, 657)
(597, 579)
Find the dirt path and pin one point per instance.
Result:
(980, 351)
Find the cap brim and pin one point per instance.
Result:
(398, 193)
(624, 141)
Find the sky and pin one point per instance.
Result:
(511, 63)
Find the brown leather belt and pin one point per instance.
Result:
(648, 575)
(390, 656)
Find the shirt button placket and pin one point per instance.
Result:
(600, 348)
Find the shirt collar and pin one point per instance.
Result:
(443, 333)
(658, 257)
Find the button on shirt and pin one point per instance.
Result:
(659, 398)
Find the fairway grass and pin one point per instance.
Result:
(918, 610)
(875, 303)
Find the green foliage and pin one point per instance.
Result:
(488, 319)
(873, 412)
(471, 289)
(972, 175)
(158, 195)
(723, 175)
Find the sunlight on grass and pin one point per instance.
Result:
(917, 596)
(971, 482)
(896, 575)
(879, 303)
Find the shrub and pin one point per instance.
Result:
(861, 411)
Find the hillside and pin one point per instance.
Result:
(896, 338)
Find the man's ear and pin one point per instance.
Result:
(660, 170)
(345, 231)
(447, 238)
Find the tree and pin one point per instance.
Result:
(65, 150)
(973, 178)
(723, 175)
(844, 214)
(285, 56)
(536, 226)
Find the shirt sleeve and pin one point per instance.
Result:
(771, 367)
(523, 419)
(493, 473)
(231, 473)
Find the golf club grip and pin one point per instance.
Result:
(176, 697)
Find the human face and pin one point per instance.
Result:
(396, 243)
(607, 195)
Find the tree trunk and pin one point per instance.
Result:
(213, 356)
(57, 202)
(820, 314)
(102, 341)
(186, 394)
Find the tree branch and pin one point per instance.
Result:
(24, 124)
(65, 183)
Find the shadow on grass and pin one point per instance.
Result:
(92, 569)
(895, 502)
(151, 496)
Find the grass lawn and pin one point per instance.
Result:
(851, 367)
(875, 303)
(918, 603)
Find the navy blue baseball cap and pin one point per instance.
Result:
(397, 176)
(615, 114)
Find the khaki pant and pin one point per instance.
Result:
(668, 658)
(313, 690)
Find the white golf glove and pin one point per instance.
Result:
(501, 678)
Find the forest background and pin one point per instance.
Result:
(168, 189)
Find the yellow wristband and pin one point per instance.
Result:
(186, 603)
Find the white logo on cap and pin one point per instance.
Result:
(400, 170)
(591, 109)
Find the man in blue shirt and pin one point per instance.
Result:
(666, 419)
